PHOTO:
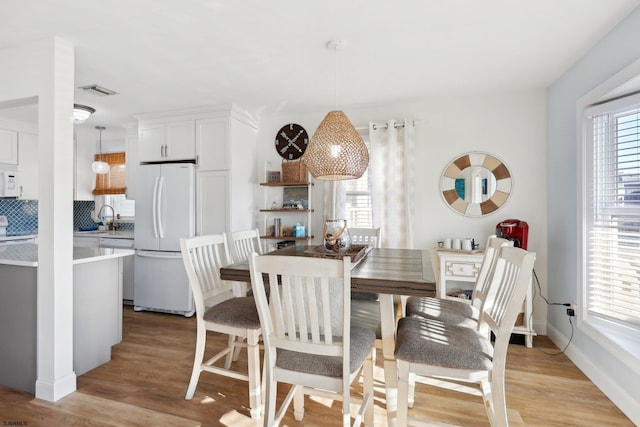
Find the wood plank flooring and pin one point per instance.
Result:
(145, 382)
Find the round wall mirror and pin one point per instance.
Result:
(476, 184)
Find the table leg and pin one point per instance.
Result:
(388, 329)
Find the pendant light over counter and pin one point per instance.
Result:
(100, 167)
(336, 150)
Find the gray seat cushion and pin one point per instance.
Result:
(238, 312)
(330, 366)
(448, 310)
(433, 342)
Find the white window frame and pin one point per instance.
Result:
(368, 192)
(622, 341)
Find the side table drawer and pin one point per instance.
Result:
(462, 269)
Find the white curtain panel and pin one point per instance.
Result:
(392, 178)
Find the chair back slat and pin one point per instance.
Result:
(480, 290)
(244, 243)
(202, 257)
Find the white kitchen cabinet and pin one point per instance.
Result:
(83, 177)
(212, 143)
(132, 162)
(212, 202)
(223, 145)
(8, 147)
(163, 141)
(28, 167)
(226, 142)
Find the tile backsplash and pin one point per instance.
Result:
(22, 215)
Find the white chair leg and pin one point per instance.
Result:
(201, 336)
(298, 404)
(367, 383)
(253, 361)
(230, 345)
(412, 389)
(498, 400)
(270, 401)
(403, 393)
(237, 348)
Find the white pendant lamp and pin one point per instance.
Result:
(81, 113)
(336, 150)
(100, 167)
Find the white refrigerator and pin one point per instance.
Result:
(165, 212)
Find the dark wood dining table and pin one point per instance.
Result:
(385, 271)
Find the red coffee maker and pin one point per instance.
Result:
(515, 230)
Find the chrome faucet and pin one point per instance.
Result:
(112, 225)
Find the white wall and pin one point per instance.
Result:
(510, 126)
(617, 50)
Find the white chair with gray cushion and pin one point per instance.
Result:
(455, 310)
(365, 307)
(308, 338)
(244, 243)
(219, 311)
(430, 347)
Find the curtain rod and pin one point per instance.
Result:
(385, 125)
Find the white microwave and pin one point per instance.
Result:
(9, 185)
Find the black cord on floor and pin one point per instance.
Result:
(550, 303)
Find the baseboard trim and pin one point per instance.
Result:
(625, 402)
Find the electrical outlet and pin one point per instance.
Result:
(571, 310)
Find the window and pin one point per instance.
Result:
(358, 202)
(121, 206)
(114, 181)
(358, 205)
(611, 266)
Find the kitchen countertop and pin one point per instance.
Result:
(18, 236)
(116, 234)
(26, 254)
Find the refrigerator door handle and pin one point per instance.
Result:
(154, 204)
(159, 207)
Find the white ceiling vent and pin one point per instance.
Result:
(98, 90)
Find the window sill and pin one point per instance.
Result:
(622, 342)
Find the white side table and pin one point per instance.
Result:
(464, 266)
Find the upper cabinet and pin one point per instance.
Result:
(212, 144)
(166, 140)
(8, 147)
(28, 150)
(83, 178)
(132, 161)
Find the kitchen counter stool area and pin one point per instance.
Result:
(97, 310)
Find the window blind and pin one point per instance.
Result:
(613, 234)
(113, 182)
(358, 205)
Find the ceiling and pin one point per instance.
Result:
(271, 56)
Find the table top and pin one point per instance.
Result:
(382, 270)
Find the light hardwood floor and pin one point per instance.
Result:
(145, 382)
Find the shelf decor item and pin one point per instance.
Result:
(336, 236)
(294, 171)
(273, 176)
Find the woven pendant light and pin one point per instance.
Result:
(336, 150)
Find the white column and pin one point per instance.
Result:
(56, 378)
